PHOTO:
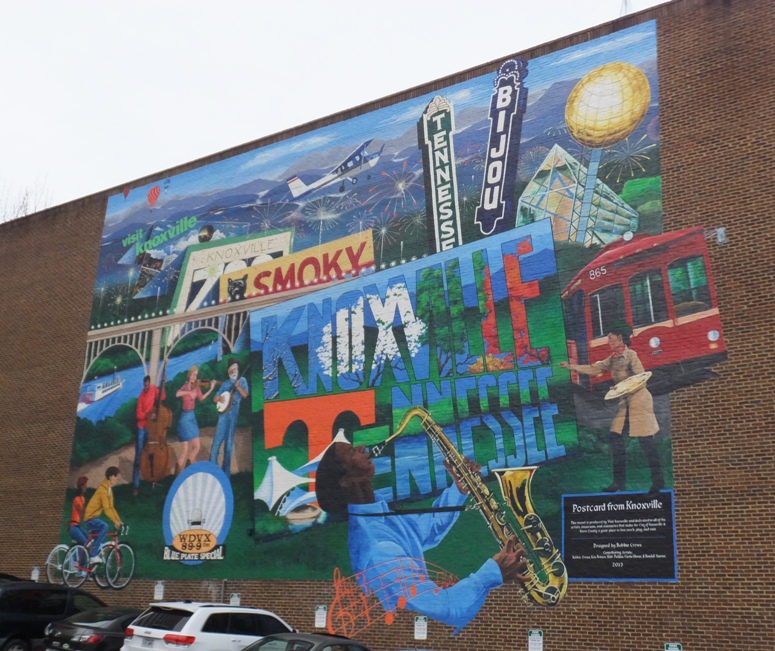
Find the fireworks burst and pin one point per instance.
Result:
(556, 130)
(396, 190)
(479, 162)
(348, 202)
(117, 299)
(530, 161)
(360, 221)
(100, 290)
(414, 222)
(268, 215)
(324, 212)
(469, 200)
(627, 159)
(386, 231)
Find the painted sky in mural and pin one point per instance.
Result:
(365, 174)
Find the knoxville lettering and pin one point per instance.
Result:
(334, 333)
(184, 224)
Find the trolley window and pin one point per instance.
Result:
(606, 307)
(575, 318)
(647, 298)
(689, 285)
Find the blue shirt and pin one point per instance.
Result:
(387, 557)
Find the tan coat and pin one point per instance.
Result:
(640, 404)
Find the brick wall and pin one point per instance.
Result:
(717, 90)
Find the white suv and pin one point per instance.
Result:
(175, 625)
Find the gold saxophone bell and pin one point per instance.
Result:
(547, 575)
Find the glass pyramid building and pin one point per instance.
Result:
(556, 191)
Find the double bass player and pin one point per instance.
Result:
(146, 409)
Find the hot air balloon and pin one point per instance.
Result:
(166, 186)
(126, 192)
(153, 195)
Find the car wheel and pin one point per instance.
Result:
(16, 644)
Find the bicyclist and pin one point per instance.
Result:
(76, 517)
(102, 501)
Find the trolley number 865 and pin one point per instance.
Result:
(597, 272)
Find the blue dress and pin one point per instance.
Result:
(188, 428)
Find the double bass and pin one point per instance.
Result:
(156, 458)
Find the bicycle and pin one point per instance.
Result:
(54, 563)
(116, 569)
(57, 558)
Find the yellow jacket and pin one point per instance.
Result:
(102, 500)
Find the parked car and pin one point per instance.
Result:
(26, 608)
(200, 627)
(305, 642)
(100, 629)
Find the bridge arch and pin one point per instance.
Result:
(91, 358)
(154, 341)
(171, 346)
(229, 327)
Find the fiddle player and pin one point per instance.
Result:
(146, 409)
(634, 411)
(235, 388)
(387, 552)
(188, 428)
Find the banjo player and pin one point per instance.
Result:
(227, 399)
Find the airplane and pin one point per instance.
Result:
(355, 163)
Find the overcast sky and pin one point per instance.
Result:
(97, 94)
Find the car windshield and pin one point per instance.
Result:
(271, 643)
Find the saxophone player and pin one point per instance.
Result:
(387, 552)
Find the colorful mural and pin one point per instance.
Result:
(405, 353)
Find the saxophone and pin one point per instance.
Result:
(547, 576)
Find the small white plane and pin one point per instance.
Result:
(357, 162)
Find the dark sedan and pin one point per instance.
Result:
(304, 642)
(100, 629)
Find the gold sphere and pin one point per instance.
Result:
(607, 105)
